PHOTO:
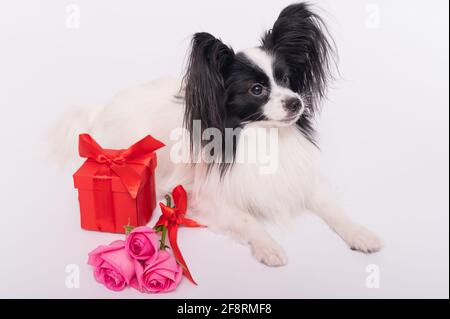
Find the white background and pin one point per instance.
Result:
(384, 135)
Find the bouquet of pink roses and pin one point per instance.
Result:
(141, 260)
(136, 262)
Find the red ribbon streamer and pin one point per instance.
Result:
(172, 218)
(117, 160)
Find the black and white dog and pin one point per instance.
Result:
(271, 91)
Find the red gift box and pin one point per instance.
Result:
(116, 187)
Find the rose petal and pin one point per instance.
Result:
(162, 275)
(121, 261)
(137, 281)
(108, 276)
(142, 243)
(93, 256)
(162, 258)
(166, 273)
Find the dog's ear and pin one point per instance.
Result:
(204, 83)
(300, 37)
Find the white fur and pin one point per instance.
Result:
(237, 203)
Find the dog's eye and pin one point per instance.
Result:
(257, 89)
(285, 79)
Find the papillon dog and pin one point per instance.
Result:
(275, 87)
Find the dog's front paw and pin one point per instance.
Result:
(363, 240)
(269, 253)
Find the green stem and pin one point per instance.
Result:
(168, 200)
(163, 245)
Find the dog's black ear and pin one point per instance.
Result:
(300, 37)
(204, 83)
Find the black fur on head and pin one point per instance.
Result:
(301, 39)
(205, 83)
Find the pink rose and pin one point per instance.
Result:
(114, 267)
(142, 243)
(160, 275)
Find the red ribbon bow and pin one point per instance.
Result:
(116, 160)
(172, 218)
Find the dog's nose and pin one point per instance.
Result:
(292, 104)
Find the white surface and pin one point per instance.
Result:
(384, 136)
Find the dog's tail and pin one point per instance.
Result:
(64, 134)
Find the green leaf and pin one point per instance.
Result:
(128, 229)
